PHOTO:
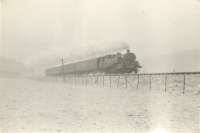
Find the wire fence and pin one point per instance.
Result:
(184, 81)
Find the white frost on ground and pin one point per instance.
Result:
(28, 106)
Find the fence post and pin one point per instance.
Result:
(103, 80)
(97, 79)
(63, 69)
(138, 80)
(118, 81)
(165, 83)
(81, 82)
(110, 80)
(94, 78)
(86, 79)
(183, 83)
(149, 82)
(74, 77)
(72, 80)
(78, 79)
(126, 82)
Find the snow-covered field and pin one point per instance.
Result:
(28, 106)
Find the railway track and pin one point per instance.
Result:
(172, 73)
(143, 74)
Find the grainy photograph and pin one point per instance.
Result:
(99, 66)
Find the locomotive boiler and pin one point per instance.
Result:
(114, 63)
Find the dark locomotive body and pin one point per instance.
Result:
(117, 63)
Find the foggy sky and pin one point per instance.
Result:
(1, 43)
(33, 28)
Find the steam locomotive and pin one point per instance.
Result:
(117, 63)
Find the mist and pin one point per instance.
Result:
(37, 29)
(1, 43)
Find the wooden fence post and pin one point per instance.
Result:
(78, 79)
(81, 82)
(149, 82)
(110, 78)
(138, 81)
(183, 83)
(93, 79)
(165, 83)
(71, 79)
(86, 80)
(103, 80)
(118, 81)
(63, 69)
(126, 82)
(84, 83)
(75, 77)
(97, 79)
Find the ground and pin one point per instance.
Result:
(30, 106)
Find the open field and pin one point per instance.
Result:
(29, 106)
